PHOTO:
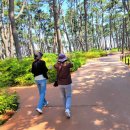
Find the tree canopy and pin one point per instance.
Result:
(56, 26)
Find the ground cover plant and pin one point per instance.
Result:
(8, 105)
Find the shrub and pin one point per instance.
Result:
(90, 55)
(12, 69)
(8, 102)
(103, 53)
(52, 75)
(125, 60)
(8, 105)
(76, 64)
(26, 79)
(114, 50)
(95, 54)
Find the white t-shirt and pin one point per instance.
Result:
(39, 77)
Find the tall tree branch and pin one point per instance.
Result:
(125, 5)
(21, 11)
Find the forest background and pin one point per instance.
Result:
(55, 26)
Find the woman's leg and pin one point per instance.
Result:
(68, 92)
(42, 92)
(63, 95)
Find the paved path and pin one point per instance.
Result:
(101, 101)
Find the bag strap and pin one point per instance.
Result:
(58, 72)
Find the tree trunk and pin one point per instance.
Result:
(103, 32)
(56, 23)
(86, 30)
(110, 23)
(4, 30)
(117, 40)
(98, 37)
(126, 33)
(54, 42)
(31, 45)
(127, 6)
(93, 31)
(72, 27)
(14, 32)
(65, 29)
(123, 39)
(11, 42)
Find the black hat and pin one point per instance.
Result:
(38, 55)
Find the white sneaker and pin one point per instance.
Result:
(46, 104)
(39, 111)
(67, 112)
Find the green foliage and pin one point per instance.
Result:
(90, 55)
(77, 58)
(14, 72)
(94, 53)
(125, 59)
(76, 64)
(26, 79)
(114, 50)
(8, 102)
(52, 75)
(50, 60)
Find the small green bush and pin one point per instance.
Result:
(12, 69)
(103, 53)
(8, 102)
(52, 75)
(90, 55)
(76, 64)
(114, 50)
(26, 79)
(127, 57)
(95, 54)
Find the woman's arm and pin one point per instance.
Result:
(44, 67)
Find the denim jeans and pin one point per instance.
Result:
(66, 92)
(41, 84)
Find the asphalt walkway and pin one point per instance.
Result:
(101, 101)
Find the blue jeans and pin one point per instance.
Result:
(41, 84)
(66, 91)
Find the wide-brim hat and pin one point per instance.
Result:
(62, 58)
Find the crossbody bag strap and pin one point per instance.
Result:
(59, 72)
